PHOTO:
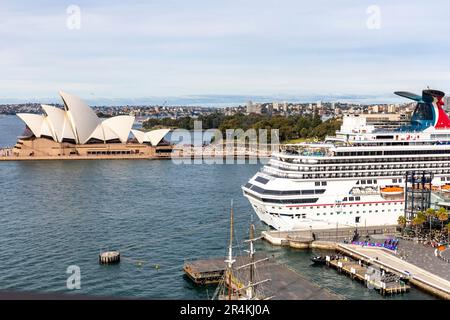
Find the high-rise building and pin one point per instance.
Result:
(319, 105)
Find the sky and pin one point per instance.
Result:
(246, 48)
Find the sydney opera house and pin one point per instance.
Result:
(77, 132)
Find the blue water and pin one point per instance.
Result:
(54, 214)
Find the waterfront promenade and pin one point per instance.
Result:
(201, 153)
(423, 257)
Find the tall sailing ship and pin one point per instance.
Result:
(231, 287)
(355, 178)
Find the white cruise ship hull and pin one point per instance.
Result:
(329, 212)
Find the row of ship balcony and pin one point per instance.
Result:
(372, 166)
(349, 174)
(360, 159)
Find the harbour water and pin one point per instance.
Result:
(55, 214)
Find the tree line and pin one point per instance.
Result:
(290, 127)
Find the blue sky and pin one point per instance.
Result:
(128, 49)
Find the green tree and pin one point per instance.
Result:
(419, 220)
(448, 234)
(291, 127)
(430, 214)
(401, 222)
(442, 215)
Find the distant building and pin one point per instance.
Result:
(447, 103)
(251, 107)
(275, 106)
(391, 108)
(269, 109)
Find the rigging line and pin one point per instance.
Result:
(238, 243)
(261, 288)
(220, 288)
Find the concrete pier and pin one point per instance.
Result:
(323, 238)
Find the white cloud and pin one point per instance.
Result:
(220, 47)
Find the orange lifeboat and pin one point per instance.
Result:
(392, 191)
(445, 188)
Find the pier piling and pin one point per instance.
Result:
(109, 257)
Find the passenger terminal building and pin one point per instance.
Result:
(76, 132)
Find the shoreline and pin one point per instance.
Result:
(135, 157)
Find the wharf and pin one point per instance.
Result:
(304, 239)
(209, 271)
(381, 257)
(384, 284)
(284, 284)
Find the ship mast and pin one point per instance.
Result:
(250, 287)
(230, 261)
(252, 261)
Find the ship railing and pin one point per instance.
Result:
(322, 175)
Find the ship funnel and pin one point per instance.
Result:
(428, 111)
(429, 95)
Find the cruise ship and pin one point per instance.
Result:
(355, 178)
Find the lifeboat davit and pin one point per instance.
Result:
(392, 191)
